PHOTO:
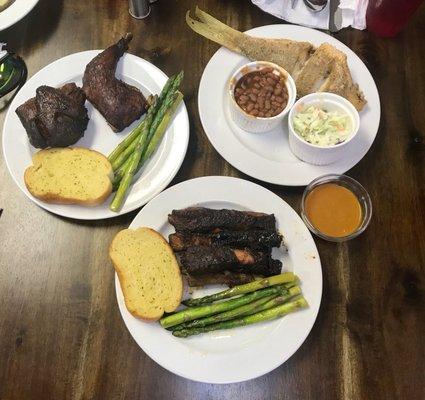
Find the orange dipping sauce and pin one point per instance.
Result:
(333, 210)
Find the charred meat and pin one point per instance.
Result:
(54, 117)
(256, 239)
(221, 278)
(202, 259)
(118, 102)
(199, 219)
(224, 246)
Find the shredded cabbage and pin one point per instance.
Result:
(321, 127)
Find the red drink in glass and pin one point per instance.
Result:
(387, 17)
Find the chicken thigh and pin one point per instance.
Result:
(118, 102)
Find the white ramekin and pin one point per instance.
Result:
(248, 122)
(320, 155)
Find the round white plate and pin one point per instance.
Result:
(152, 179)
(267, 156)
(244, 353)
(15, 12)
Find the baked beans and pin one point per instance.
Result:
(262, 93)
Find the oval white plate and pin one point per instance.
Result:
(152, 179)
(243, 353)
(267, 156)
(15, 12)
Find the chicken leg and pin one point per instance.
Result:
(118, 102)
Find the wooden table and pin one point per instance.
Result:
(61, 334)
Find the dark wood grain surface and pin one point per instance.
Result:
(61, 334)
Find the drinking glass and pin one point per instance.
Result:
(386, 18)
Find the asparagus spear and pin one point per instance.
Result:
(161, 128)
(134, 162)
(266, 315)
(278, 300)
(224, 316)
(248, 309)
(131, 138)
(190, 314)
(165, 103)
(135, 133)
(242, 289)
(164, 100)
(117, 160)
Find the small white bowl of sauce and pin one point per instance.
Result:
(336, 208)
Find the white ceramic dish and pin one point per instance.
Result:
(243, 353)
(152, 179)
(249, 122)
(323, 155)
(267, 156)
(15, 12)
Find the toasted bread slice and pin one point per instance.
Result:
(69, 176)
(148, 272)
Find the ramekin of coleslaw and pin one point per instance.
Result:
(320, 127)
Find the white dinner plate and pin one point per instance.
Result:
(266, 156)
(243, 353)
(156, 174)
(15, 12)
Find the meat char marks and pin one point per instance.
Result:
(55, 117)
(224, 246)
(118, 102)
(219, 278)
(257, 239)
(200, 219)
(203, 259)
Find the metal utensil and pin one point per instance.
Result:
(139, 9)
(335, 18)
(316, 5)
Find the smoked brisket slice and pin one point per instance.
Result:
(199, 219)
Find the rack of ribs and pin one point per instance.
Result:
(224, 246)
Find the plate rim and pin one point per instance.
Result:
(17, 13)
(124, 311)
(239, 164)
(50, 206)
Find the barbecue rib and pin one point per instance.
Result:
(119, 103)
(54, 117)
(199, 219)
(257, 239)
(202, 259)
(220, 278)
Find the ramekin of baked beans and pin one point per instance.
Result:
(261, 94)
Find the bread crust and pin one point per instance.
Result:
(121, 277)
(54, 199)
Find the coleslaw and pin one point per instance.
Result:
(321, 127)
